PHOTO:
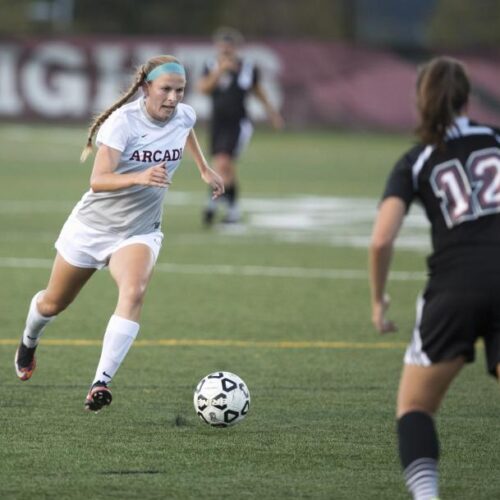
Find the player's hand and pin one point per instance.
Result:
(227, 64)
(214, 180)
(277, 121)
(379, 320)
(155, 176)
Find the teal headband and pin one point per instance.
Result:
(162, 69)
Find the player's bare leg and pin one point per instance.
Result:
(64, 284)
(421, 390)
(131, 267)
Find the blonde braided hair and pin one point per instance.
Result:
(140, 78)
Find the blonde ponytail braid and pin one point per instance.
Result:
(100, 119)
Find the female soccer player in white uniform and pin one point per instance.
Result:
(117, 223)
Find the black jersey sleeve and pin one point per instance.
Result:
(400, 182)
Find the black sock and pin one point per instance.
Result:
(419, 453)
(231, 193)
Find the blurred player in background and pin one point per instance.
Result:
(454, 172)
(228, 79)
(117, 223)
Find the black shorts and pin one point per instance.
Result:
(230, 137)
(448, 323)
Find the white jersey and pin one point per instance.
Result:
(143, 142)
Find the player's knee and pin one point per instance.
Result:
(52, 307)
(412, 405)
(133, 294)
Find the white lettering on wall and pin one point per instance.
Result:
(10, 101)
(109, 62)
(54, 83)
(270, 66)
(74, 80)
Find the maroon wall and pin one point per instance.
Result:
(315, 83)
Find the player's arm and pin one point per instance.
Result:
(104, 177)
(210, 79)
(386, 228)
(274, 115)
(211, 177)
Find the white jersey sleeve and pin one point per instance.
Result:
(189, 117)
(114, 132)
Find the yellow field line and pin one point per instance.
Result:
(283, 344)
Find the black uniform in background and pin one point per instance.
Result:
(459, 189)
(230, 128)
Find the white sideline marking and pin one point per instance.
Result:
(228, 270)
(300, 219)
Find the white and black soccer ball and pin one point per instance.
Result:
(221, 399)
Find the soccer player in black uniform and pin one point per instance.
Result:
(454, 172)
(228, 79)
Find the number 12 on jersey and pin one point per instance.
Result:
(471, 192)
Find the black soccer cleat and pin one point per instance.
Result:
(98, 397)
(25, 361)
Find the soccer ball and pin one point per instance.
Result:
(221, 399)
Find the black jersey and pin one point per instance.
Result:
(228, 98)
(459, 189)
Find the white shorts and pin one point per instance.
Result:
(83, 246)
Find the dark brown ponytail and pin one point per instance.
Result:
(443, 89)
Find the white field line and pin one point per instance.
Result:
(228, 270)
(296, 219)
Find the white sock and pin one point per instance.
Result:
(422, 479)
(119, 336)
(233, 213)
(35, 324)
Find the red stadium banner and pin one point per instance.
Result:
(314, 83)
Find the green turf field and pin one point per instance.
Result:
(281, 300)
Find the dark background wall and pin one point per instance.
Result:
(396, 23)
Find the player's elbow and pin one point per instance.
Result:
(96, 184)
